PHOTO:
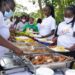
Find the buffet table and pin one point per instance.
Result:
(38, 55)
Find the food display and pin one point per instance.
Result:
(23, 39)
(58, 49)
(45, 59)
(33, 47)
(40, 51)
(34, 50)
(39, 54)
(27, 33)
(44, 40)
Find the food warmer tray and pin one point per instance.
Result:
(27, 48)
(54, 65)
(14, 64)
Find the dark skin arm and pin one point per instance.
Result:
(74, 34)
(52, 32)
(9, 45)
(71, 48)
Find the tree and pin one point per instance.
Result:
(20, 7)
(59, 7)
(58, 4)
(40, 6)
(19, 10)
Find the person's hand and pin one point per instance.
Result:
(67, 48)
(71, 48)
(54, 39)
(19, 52)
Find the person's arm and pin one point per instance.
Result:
(72, 48)
(17, 27)
(74, 34)
(50, 34)
(9, 45)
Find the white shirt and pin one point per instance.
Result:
(4, 32)
(9, 23)
(65, 32)
(20, 26)
(48, 24)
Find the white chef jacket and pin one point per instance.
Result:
(48, 24)
(65, 32)
(4, 32)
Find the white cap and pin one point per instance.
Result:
(44, 71)
(70, 72)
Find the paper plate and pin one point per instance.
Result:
(59, 50)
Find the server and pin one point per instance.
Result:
(6, 11)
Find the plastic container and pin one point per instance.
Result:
(70, 72)
(44, 71)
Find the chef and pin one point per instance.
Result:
(6, 7)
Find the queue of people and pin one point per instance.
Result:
(61, 35)
(46, 27)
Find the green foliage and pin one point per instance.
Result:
(58, 4)
(59, 8)
(19, 12)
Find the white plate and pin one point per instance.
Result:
(55, 49)
(70, 72)
(22, 37)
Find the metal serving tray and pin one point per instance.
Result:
(14, 64)
(29, 48)
(54, 65)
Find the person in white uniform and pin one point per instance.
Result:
(6, 6)
(48, 25)
(66, 29)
